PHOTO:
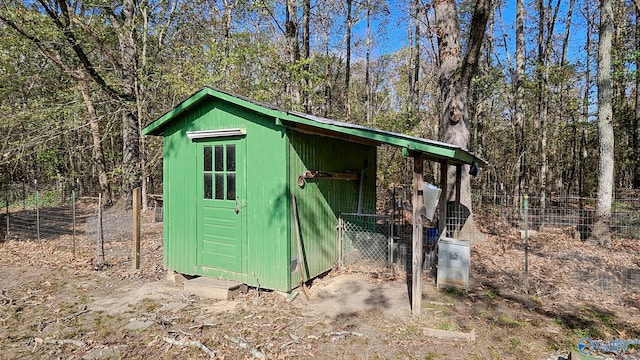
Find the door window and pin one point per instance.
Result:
(219, 172)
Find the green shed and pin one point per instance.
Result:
(230, 167)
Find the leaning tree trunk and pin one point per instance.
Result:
(455, 80)
(602, 225)
(98, 154)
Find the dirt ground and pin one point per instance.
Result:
(57, 305)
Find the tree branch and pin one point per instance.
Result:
(106, 51)
(479, 20)
(43, 48)
(78, 50)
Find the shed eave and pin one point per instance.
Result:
(432, 149)
(324, 127)
(157, 127)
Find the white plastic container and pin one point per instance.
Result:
(431, 196)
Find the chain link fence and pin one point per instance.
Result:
(366, 242)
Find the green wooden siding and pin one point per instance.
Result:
(265, 249)
(321, 201)
(278, 147)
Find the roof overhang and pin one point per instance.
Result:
(431, 149)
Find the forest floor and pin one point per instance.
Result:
(57, 305)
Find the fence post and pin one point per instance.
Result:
(340, 242)
(73, 220)
(99, 239)
(526, 242)
(390, 245)
(6, 202)
(35, 183)
(136, 228)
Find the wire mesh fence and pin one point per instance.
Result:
(572, 213)
(36, 217)
(366, 242)
(27, 215)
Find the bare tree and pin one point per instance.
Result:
(635, 135)
(293, 47)
(347, 70)
(520, 143)
(455, 78)
(602, 226)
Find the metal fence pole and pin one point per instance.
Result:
(99, 239)
(340, 242)
(35, 183)
(6, 203)
(390, 246)
(73, 220)
(526, 242)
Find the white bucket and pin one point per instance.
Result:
(431, 196)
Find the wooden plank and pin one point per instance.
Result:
(458, 207)
(449, 335)
(458, 182)
(214, 288)
(318, 174)
(416, 265)
(444, 197)
(303, 271)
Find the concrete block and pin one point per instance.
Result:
(175, 278)
(214, 288)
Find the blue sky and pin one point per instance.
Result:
(394, 29)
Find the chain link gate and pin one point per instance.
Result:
(366, 242)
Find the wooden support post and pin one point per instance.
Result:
(458, 182)
(444, 197)
(136, 228)
(458, 207)
(416, 265)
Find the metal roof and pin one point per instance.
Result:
(434, 150)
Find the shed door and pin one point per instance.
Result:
(221, 183)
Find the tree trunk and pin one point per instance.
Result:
(367, 69)
(98, 155)
(520, 143)
(602, 224)
(130, 127)
(227, 17)
(415, 103)
(455, 80)
(347, 71)
(293, 48)
(306, 52)
(585, 108)
(635, 135)
(140, 91)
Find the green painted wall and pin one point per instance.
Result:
(321, 201)
(265, 247)
(269, 247)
